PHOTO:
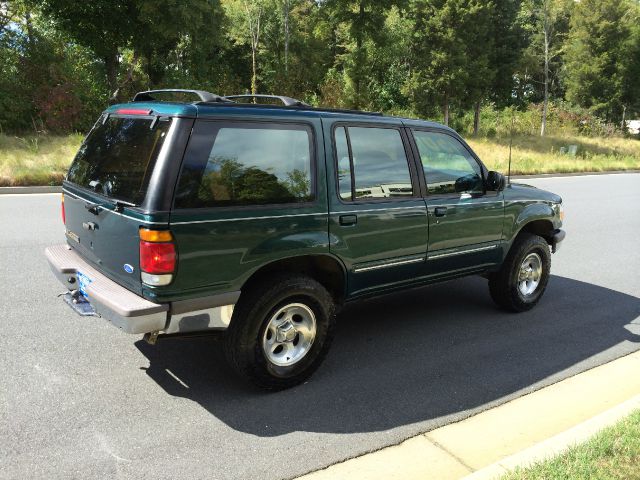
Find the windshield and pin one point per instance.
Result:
(118, 156)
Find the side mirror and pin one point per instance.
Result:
(495, 181)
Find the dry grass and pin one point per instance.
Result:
(533, 154)
(36, 160)
(43, 160)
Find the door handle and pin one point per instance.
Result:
(348, 219)
(440, 211)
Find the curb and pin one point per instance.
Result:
(574, 174)
(559, 443)
(30, 190)
(527, 429)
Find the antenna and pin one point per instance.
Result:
(510, 145)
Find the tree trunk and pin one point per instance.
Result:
(623, 124)
(31, 38)
(476, 119)
(111, 63)
(286, 36)
(545, 104)
(359, 59)
(446, 109)
(254, 71)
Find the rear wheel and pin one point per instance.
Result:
(281, 331)
(523, 277)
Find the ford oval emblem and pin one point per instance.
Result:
(127, 268)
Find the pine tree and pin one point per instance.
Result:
(598, 50)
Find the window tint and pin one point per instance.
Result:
(380, 167)
(448, 165)
(246, 164)
(118, 156)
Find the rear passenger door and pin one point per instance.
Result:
(465, 220)
(378, 219)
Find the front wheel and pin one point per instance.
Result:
(523, 277)
(280, 331)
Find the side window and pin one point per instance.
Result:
(377, 161)
(229, 164)
(448, 165)
(344, 164)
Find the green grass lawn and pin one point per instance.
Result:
(43, 160)
(612, 454)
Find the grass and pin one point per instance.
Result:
(532, 154)
(612, 454)
(36, 160)
(43, 160)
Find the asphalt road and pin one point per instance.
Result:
(79, 399)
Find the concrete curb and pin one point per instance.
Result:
(559, 443)
(30, 190)
(526, 429)
(573, 174)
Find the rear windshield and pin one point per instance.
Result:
(117, 157)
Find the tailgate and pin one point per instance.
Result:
(106, 238)
(106, 184)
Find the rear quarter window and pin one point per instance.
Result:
(246, 163)
(118, 156)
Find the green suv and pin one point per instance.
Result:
(262, 220)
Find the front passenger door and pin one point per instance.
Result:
(465, 220)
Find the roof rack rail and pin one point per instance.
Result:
(287, 101)
(148, 95)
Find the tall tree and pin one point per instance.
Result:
(447, 45)
(364, 20)
(597, 53)
(103, 26)
(247, 25)
(509, 40)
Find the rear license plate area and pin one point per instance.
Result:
(79, 304)
(83, 282)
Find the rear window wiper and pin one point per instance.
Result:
(118, 204)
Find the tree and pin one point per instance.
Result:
(448, 45)
(364, 21)
(509, 40)
(103, 26)
(598, 50)
(247, 19)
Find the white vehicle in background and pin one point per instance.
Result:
(633, 127)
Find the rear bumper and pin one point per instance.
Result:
(123, 308)
(134, 314)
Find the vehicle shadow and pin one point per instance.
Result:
(432, 354)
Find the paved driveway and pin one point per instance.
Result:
(78, 399)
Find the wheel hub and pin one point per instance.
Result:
(286, 332)
(289, 334)
(530, 274)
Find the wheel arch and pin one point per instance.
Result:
(324, 268)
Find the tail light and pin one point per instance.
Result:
(64, 216)
(157, 257)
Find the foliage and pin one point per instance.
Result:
(602, 57)
(63, 61)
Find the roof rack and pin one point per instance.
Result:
(287, 101)
(149, 95)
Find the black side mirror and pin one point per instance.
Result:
(495, 181)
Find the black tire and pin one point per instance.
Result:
(503, 284)
(243, 340)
